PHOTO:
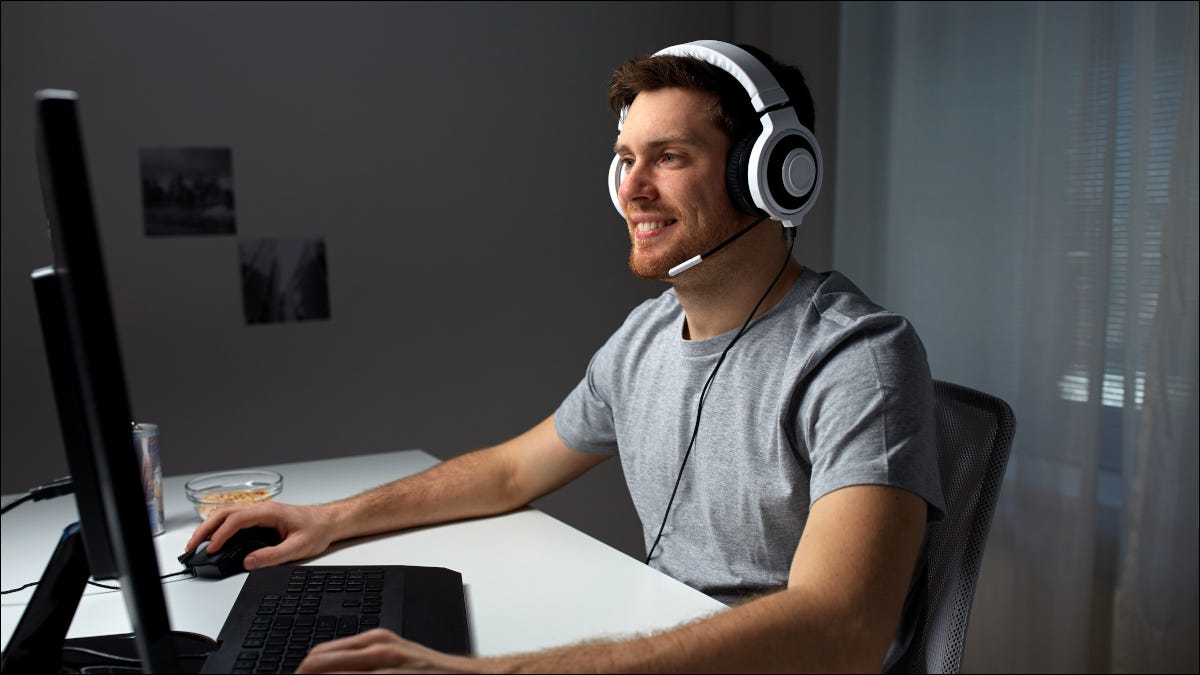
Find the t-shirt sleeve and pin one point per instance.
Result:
(584, 420)
(867, 415)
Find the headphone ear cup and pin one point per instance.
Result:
(737, 176)
(792, 171)
(616, 174)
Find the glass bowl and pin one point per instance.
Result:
(232, 488)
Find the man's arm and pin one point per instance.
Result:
(842, 606)
(485, 482)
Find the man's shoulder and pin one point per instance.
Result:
(836, 315)
(838, 299)
(662, 307)
(646, 323)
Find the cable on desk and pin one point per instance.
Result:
(14, 590)
(97, 583)
(55, 488)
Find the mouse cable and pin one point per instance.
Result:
(97, 583)
(117, 588)
(106, 668)
(55, 488)
(791, 234)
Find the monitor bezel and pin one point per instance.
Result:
(100, 434)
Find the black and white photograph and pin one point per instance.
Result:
(187, 191)
(284, 279)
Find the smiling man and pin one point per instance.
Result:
(775, 427)
(675, 191)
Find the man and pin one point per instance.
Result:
(774, 426)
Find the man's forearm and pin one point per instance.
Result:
(782, 632)
(474, 484)
(482, 483)
(846, 590)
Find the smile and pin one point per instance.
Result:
(654, 225)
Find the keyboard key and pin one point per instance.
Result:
(347, 625)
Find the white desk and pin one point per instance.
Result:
(531, 581)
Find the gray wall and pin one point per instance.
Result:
(452, 156)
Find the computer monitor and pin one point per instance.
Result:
(94, 413)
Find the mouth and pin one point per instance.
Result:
(648, 229)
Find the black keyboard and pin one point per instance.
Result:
(317, 606)
(282, 612)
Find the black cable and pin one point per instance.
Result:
(14, 590)
(105, 655)
(117, 657)
(117, 588)
(55, 488)
(16, 502)
(704, 392)
(97, 583)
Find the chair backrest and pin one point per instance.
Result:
(974, 437)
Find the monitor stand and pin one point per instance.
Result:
(39, 644)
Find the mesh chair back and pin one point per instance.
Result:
(974, 437)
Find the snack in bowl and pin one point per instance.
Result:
(232, 488)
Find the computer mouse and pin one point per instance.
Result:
(229, 559)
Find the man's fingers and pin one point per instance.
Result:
(374, 649)
(204, 531)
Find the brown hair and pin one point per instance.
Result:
(731, 110)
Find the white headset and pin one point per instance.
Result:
(779, 171)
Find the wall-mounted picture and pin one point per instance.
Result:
(187, 191)
(284, 279)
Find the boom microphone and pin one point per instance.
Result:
(696, 260)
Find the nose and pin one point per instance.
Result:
(638, 184)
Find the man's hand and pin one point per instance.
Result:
(382, 651)
(306, 531)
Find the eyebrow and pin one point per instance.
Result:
(620, 148)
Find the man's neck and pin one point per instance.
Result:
(722, 302)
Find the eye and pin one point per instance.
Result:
(670, 157)
(627, 162)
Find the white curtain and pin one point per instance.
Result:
(1020, 179)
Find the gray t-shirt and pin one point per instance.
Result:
(823, 391)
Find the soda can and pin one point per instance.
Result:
(145, 439)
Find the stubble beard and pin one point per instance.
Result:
(689, 243)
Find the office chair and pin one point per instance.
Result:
(974, 437)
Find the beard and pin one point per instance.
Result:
(655, 265)
(653, 262)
